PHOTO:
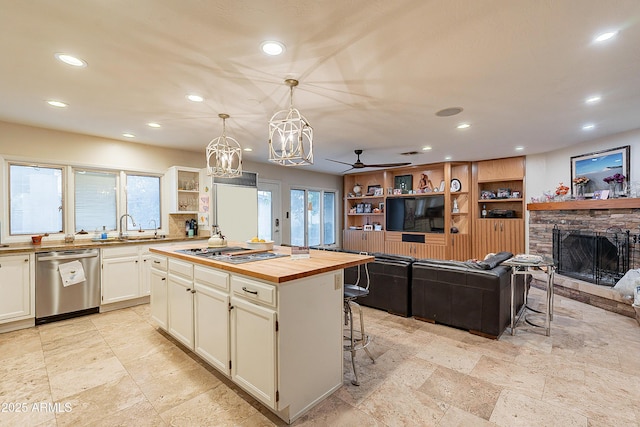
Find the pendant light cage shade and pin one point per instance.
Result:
(290, 136)
(224, 155)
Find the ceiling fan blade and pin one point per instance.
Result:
(387, 165)
(347, 170)
(338, 161)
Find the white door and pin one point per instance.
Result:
(120, 279)
(15, 300)
(253, 349)
(158, 284)
(269, 211)
(212, 326)
(180, 319)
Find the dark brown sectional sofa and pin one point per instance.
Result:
(466, 295)
(475, 296)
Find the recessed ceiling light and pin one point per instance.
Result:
(272, 48)
(128, 135)
(248, 149)
(588, 126)
(195, 98)
(463, 126)
(70, 60)
(448, 112)
(605, 36)
(519, 148)
(426, 148)
(593, 99)
(447, 158)
(153, 125)
(58, 104)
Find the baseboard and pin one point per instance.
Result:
(124, 304)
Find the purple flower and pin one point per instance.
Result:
(619, 178)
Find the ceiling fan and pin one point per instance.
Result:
(359, 165)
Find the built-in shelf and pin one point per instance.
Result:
(499, 200)
(622, 203)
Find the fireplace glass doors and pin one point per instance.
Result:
(596, 257)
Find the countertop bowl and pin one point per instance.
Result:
(268, 245)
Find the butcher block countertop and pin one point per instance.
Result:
(277, 270)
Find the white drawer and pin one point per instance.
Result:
(158, 262)
(180, 267)
(252, 290)
(209, 276)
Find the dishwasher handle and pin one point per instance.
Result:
(70, 256)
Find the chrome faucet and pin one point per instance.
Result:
(155, 228)
(124, 235)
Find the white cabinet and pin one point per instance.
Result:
(15, 287)
(253, 349)
(120, 273)
(126, 272)
(211, 317)
(180, 302)
(158, 285)
(182, 186)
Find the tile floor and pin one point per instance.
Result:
(116, 369)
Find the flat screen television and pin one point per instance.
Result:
(424, 214)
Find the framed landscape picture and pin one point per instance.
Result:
(599, 165)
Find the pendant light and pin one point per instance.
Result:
(290, 135)
(224, 155)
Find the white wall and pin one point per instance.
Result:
(22, 142)
(546, 171)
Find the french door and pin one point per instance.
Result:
(269, 211)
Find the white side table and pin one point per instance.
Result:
(525, 267)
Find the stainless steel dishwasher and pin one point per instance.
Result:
(54, 301)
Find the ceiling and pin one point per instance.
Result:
(372, 73)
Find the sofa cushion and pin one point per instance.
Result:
(494, 260)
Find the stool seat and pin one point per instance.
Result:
(353, 291)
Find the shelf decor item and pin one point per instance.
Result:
(372, 189)
(580, 183)
(404, 183)
(600, 165)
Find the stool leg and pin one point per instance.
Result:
(363, 336)
(353, 347)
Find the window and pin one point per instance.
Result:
(313, 217)
(95, 200)
(143, 201)
(35, 199)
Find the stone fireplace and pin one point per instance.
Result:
(595, 218)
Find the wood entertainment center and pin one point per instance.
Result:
(457, 234)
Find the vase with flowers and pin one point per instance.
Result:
(615, 184)
(561, 192)
(580, 183)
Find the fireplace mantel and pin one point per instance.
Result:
(622, 203)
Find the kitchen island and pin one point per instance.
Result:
(273, 326)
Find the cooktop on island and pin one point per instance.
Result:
(230, 254)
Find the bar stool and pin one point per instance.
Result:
(354, 343)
